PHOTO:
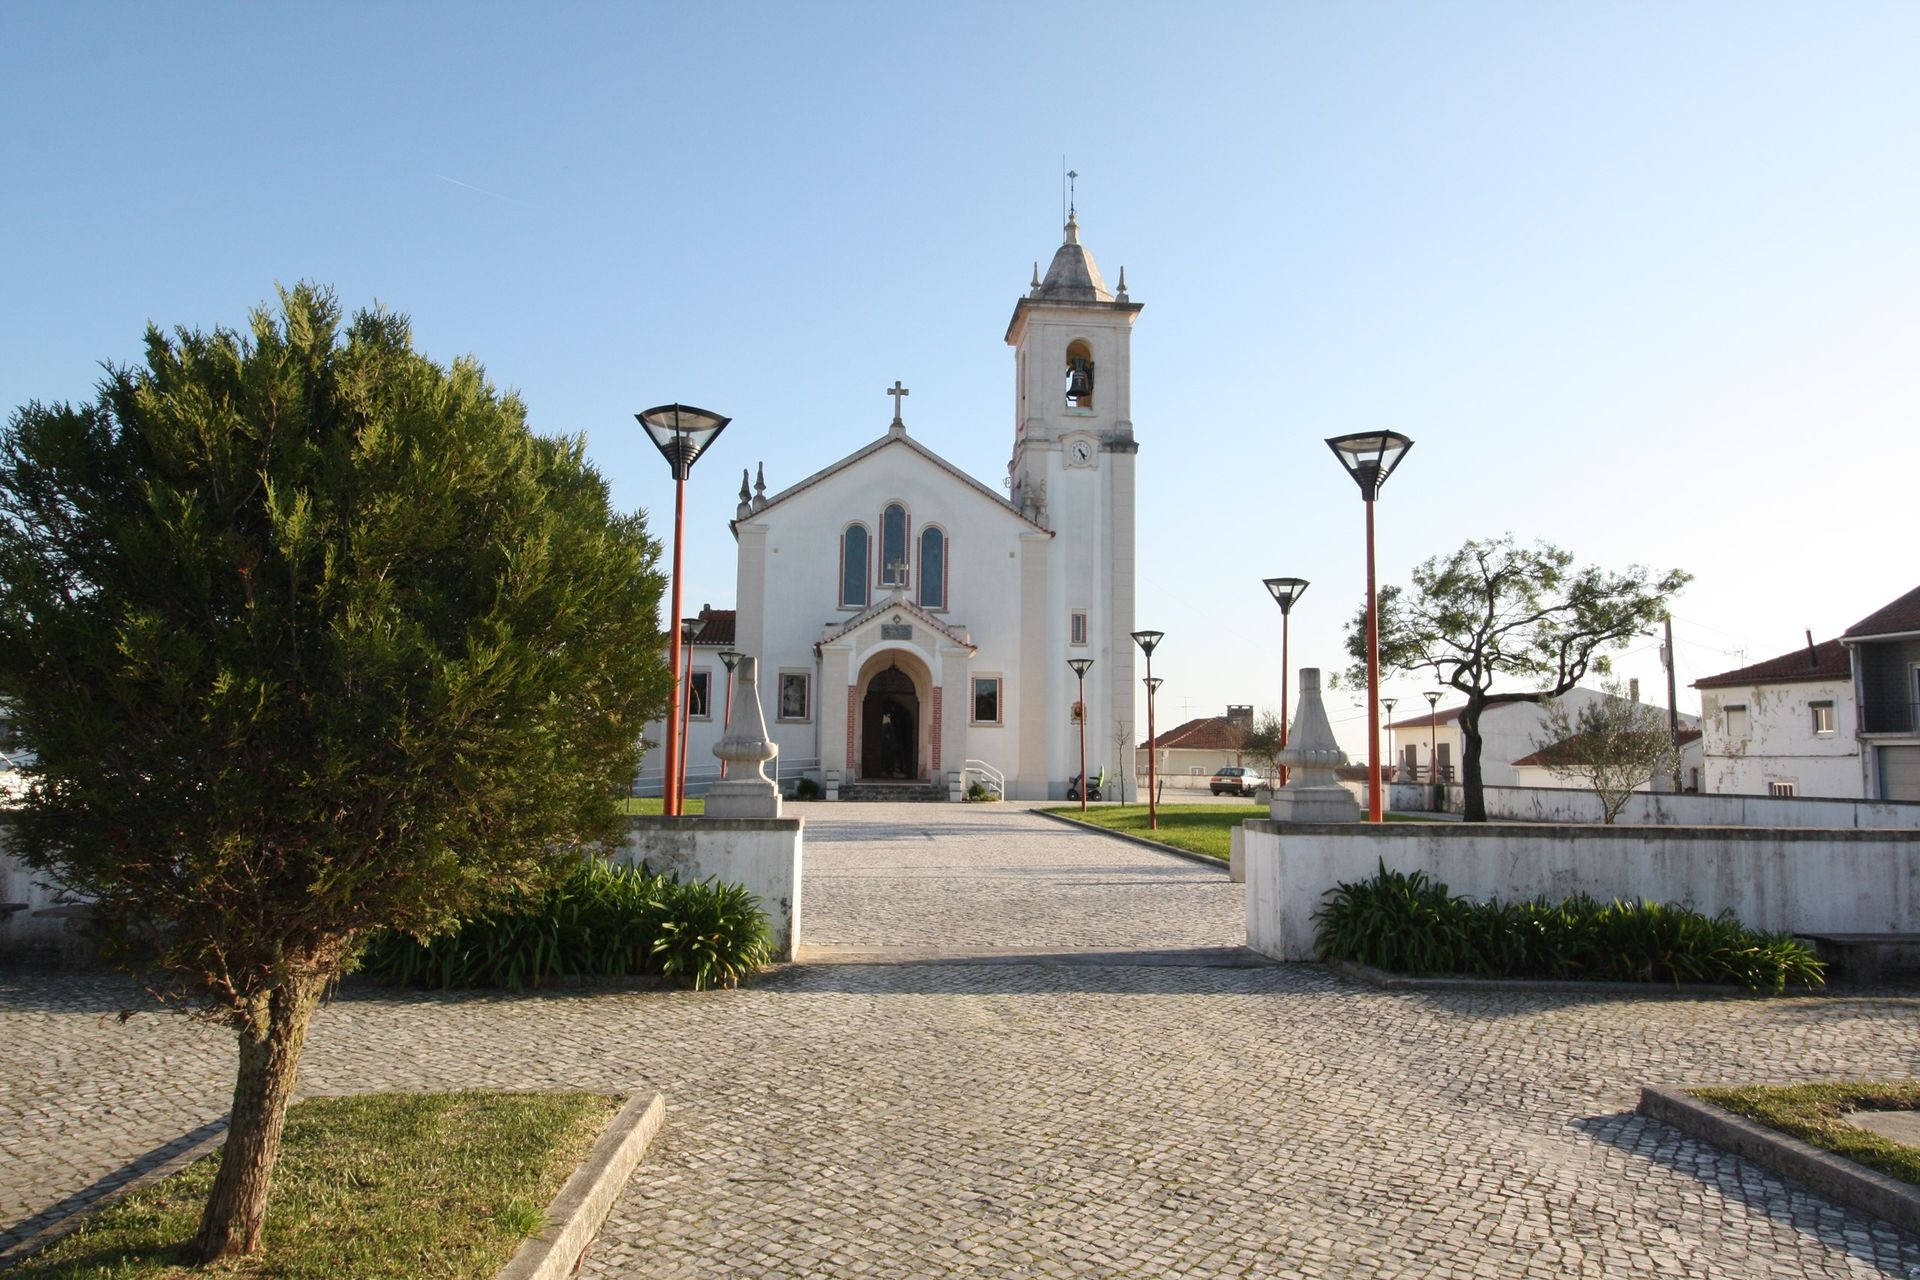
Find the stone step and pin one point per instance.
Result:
(894, 792)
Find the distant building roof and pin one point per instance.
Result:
(716, 628)
(1827, 660)
(1209, 733)
(1900, 617)
(1420, 722)
(1553, 752)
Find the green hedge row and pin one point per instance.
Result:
(602, 921)
(1411, 924)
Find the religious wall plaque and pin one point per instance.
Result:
(896, 631)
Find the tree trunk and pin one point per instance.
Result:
(1473, 796)
(271, 1037)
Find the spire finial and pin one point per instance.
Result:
(759, 486)
(1120, 295)
(1072, 181)
(745, 508)
(1035, 286)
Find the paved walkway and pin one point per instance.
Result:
(1054, 1118)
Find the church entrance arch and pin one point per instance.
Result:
(893, 721)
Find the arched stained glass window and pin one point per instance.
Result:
(933, 568)
(893, 546)
(854, 554)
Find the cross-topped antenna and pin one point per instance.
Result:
(897, 391)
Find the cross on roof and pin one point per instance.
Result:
(897, 391)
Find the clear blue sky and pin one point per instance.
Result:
(1640, 279)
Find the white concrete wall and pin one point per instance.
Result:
(22, 931)
(1555, 804)
(764, 854)
(1780, 744)
(1818, 881)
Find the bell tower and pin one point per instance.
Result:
(1072, 472)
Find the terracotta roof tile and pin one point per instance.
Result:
(717, 628)
(1209, 733)
(1829, 662)
(1901, 616)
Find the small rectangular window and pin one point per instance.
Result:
(1737, 724)
(1822, 718)
(986, 700)
(796, 688)
(699, 703)
(1779, 788)
(1078, 628)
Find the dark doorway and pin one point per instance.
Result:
(889, 727)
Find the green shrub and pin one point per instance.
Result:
(602, 921)
(1409, 923)
(806, 789)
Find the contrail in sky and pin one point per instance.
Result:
(482, 190)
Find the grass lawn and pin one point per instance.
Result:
(634, 806)
(1198, 828)
(385, 1185)
(1812, 1113)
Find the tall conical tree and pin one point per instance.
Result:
(311, 637)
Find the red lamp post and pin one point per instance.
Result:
(729, 658)
(1370, 457)
(1148, 642)
(681, 433)
(690, 629)
(1080, 666)
(1433, 734)
(1284, 591)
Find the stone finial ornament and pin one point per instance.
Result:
(1312, 793)
(759, 486)
(1120, 295)
(745, 508)
(747, 792)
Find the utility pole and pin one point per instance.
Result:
(1673, 703)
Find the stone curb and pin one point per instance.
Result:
(1825, 1174)
(1569, 986)
(1205, 859)
(575, 1215)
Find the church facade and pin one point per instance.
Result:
(914, 624)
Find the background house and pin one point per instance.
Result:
(1188, 755)
(1885, 651)
(1427, 748)
(1782, 727)
(1534, 769)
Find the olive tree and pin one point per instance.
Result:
(311, 637)
(1614, 745)
(1496, 613)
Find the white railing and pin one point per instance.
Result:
(990, 778)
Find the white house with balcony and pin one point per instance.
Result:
(910, 619)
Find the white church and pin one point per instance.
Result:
(914, 625)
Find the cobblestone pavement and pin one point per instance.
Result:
(1049, 1119)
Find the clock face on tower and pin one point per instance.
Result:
(1080, 452)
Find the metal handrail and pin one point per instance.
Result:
(993, 779)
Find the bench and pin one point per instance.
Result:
(1855, 957)
(8, 908)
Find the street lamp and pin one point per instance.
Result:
(1080, 666)
(681, 433)
(1285, 591)
(729, 658)
(1370, 457)
(1388, 704)
(690, 629)
(1433, 734)
(1148, 642)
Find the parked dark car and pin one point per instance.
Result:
(1235, 780)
